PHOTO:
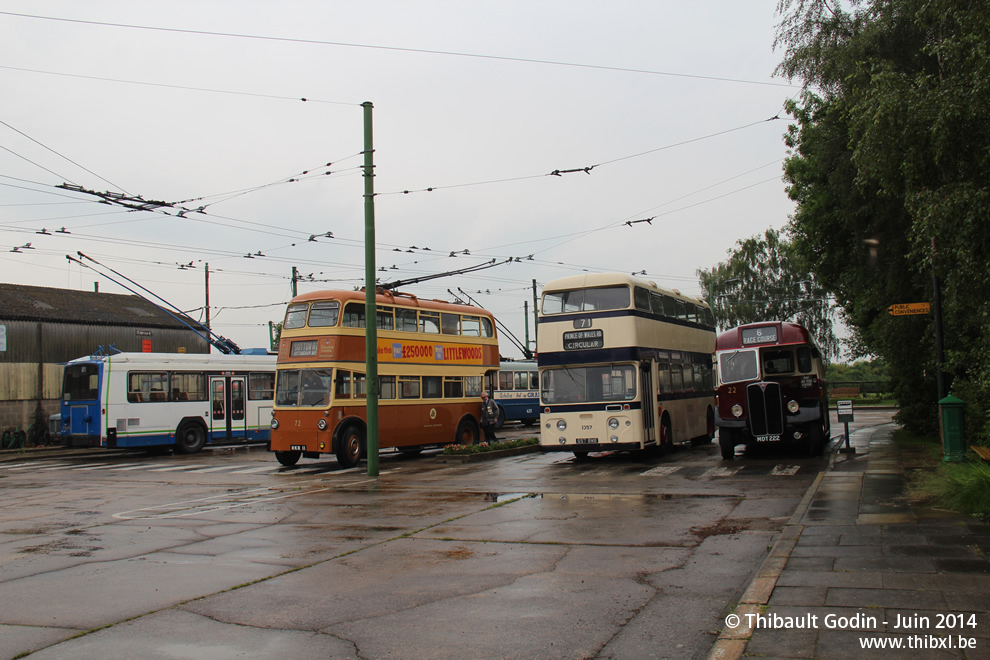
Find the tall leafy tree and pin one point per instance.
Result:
(890, 167)
(764, 279)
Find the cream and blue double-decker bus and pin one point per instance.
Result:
(624, 365)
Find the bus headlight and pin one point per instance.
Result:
(274, 423)
(737, 410)
(322, 425)
(613, 423)
(793, 406)
(561, 425)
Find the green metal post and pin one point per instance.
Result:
(526, 318)
(536, 316)
(950, 417)
(370, 291)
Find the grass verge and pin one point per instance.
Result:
(962, 487)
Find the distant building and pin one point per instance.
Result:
(43, 328)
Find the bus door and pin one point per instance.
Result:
(84, 424)
(227, 402)
(649, 399)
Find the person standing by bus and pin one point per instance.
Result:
(489, 415)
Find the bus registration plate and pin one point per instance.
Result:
(586, 441)
(298, 448)
(768, 438)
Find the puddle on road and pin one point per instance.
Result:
(507, 497)
(604, 497)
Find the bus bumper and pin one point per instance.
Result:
(598, 446)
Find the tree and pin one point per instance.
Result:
(889, 168)
(274, 334)
(765, 280)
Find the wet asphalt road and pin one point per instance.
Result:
(227, 554)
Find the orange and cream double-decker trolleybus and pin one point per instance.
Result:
(434, 360)
(624, 365)
(771, 387)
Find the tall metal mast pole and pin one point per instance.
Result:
(209, 346)
(370, 291)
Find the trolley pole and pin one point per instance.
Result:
(209, 345)
(526, 319)
(536, 317)
(370, 291)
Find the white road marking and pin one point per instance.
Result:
(140, 466)
(176, 468)
(71, 467)
(662, 471)
(217, 469)
(784, 470)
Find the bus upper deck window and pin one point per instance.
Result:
(295, 316)
(405, 320)
(670, 307)
(354, 315)
(471, 326)
(324, 314)
(429, 322)
(487, 329)
(613, 297)
(642, 299)
(451, 324)
(386, 318)
(656, 303)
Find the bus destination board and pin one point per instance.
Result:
(756, 336)
(584, 340)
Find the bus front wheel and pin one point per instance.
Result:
(288, 458)
(190, 438)
(351, 447)
(727, 444)
(467, 432)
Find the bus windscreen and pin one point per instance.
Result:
(738, 366)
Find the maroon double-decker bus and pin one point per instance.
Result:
(771, 388)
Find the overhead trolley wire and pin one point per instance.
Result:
(424, 51)
(57, 154)
(185, 87)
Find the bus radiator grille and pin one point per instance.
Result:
(766, 412)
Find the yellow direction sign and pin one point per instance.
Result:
(909, 308)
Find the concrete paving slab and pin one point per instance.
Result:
(18, 640)
(805, 578)
(892, 598)
(592, 518)
(842, 645)
(395, 576)
(167, 579)
(176, 634)
(804, 595)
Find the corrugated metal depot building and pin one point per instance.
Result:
(42, 328)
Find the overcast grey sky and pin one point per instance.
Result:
(672, 102)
